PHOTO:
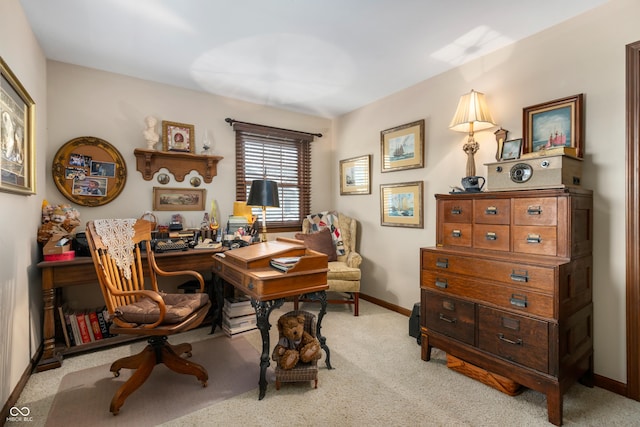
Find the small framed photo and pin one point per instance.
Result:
(178, 137)
(511, 149)
(554, 124)
(355, 175)
(178, 199)
(402, 147)
(401, 205)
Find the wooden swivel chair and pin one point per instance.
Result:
(139, 308)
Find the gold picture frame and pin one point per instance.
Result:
(401, 205)
(179, 199)
(178, 137)
(17, 135)
(558, 123)
(355, 175)
(89, 171)
(402, 147)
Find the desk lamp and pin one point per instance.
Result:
(472, 114)
(264, 193)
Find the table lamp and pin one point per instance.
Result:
(264, 193)
(472, 114)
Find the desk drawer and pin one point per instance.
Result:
(489, 236)
(516, 338)
(535, 240)
(535, 211)
(460, 211)
(456, 234)
(497, 211)
(510, 298)
(449, 316)
(534, 277)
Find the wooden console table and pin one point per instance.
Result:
(80, 271)
(247, 269)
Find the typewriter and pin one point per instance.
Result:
(168, 245)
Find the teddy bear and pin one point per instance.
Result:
(57, 220)
(295, 344)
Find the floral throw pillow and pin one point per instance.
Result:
(328, 219)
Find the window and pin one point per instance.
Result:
(280, 155)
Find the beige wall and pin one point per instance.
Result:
(20, 302)
(584, 55)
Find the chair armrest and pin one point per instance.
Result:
(154, 296)
(354, 259)
(195, 274)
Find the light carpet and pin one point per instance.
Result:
(84, 397)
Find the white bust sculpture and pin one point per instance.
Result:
(150, 134)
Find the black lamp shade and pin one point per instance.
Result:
(264, 193)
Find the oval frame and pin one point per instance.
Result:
(96, 149)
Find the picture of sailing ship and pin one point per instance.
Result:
(402, 147)
(401, 204)
(551, 129)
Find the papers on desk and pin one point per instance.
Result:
(284, 263)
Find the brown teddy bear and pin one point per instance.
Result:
(295, 343)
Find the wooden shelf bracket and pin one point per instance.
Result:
(148, 162)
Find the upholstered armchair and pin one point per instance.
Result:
(344, 271)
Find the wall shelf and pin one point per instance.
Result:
(148, 162)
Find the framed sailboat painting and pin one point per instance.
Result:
(402, 147)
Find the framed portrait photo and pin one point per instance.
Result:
(511, 149)
(17, 130)
(355, 175)
(401, 205)
(178, 137)
(554, 124)
(402, 147)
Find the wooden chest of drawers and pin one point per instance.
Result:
(508, 287)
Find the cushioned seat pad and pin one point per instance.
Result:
(179, 306)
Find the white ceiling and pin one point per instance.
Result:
(322, 57)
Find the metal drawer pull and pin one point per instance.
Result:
(446, 319)
(534, 210)
(442, 263)
(521, 276)
(456, 233)
(442, 283)
(508, 341)
(518, 300)
(456, 211)
(534, 238)
(491, 236)
(491, 210)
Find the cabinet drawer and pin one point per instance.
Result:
(516, 338)
(489, 236)
(497, 211)
(456, 234)
(449, 316)
(535, 211)
(457, 211)
(535, 240)
(511, 298)
(534, 277)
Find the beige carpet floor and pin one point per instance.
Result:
(378, 380)
(84, 396)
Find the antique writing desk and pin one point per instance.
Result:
(80, 271)
(247, 269)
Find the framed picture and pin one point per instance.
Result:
(89, 171)
(511, 149)
(355, 175)
(178, 199)
(402, 147)
(558, 123)
(401, 204)
(17, 130)
(178, 137)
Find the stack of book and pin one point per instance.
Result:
(84, 326)
(238, 315)
(284, 263)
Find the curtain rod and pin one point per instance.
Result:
(232, 121)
